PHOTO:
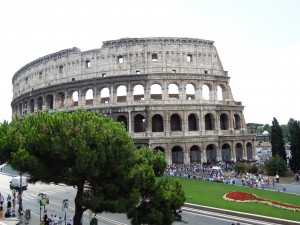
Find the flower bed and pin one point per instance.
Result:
(240, 196)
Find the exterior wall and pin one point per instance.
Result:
(187, 122)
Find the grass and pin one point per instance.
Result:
(211, 194)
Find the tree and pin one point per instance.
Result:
(277, 140)
(276, 165)
(87, 149)
(294, 129)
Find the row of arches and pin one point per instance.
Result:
(176, 122)
(92, 96)
(210, 154)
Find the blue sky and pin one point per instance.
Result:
(258, 41)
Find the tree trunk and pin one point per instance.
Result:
(78, 204)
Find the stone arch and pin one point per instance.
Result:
(60, 99)
(39, 103)
(177, 155)
(239, 152)
(122, 93)
(209, 121)
(211, 153)
(25, 107)
(190, 91)
(75, 96)
(31, 105)
(138, 92)
(206, 92)
(89, 97)
(123, 119)
(175, 122)
(104, 95)
(156, 92)
(20, 109)
(157, 123)
(221, 92)
(236, 122)
(173, 91)
(195, 154)
(226, 152)
(192, 122)
(249, 151)
(49, 102)
(224, 122)
(159, 148)
(139, 123)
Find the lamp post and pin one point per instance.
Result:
(20, 196)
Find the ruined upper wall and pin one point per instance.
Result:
(127, 56)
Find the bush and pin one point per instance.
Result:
(276, 165)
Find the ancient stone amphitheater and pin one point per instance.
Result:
(171, 94)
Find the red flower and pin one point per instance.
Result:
(239, 196)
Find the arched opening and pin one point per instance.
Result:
(104, 95)
(155, 92)
(139, 123)
(175, 122)
(138, 93)
(190, 91)
(121, 93)
(209, 121)
(173, 91)
(177, 155)
(239, 152)
(158, 148)
(75, 98)
(25, 108)
(20, 109)
(211, 153)
(39, 103)
(205, 92)
(123, 119)
(226, 153)
(249, 151)
(195, 154)
(192, 120)
(157, 123)
(224, 122)
(236, 122)
(31, 105)
(61, 99)
(49, 102)
(220, 93)
(89, 97)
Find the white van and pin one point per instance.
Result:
(15, 182)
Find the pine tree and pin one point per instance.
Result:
(277, 140)
(294, 128)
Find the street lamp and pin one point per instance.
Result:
(20, 196)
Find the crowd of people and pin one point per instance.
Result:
(54, 220)
(10, 205)
(223, 173)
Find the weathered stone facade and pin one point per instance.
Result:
(171, 93)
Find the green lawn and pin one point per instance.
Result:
(211, 194)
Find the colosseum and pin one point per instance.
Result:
(172, 94)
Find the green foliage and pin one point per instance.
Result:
(82, 148)
(276, 165)
(245, 167)
(160, 210)
(294, 129)
(277, 141)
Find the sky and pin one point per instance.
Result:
(258, 41)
